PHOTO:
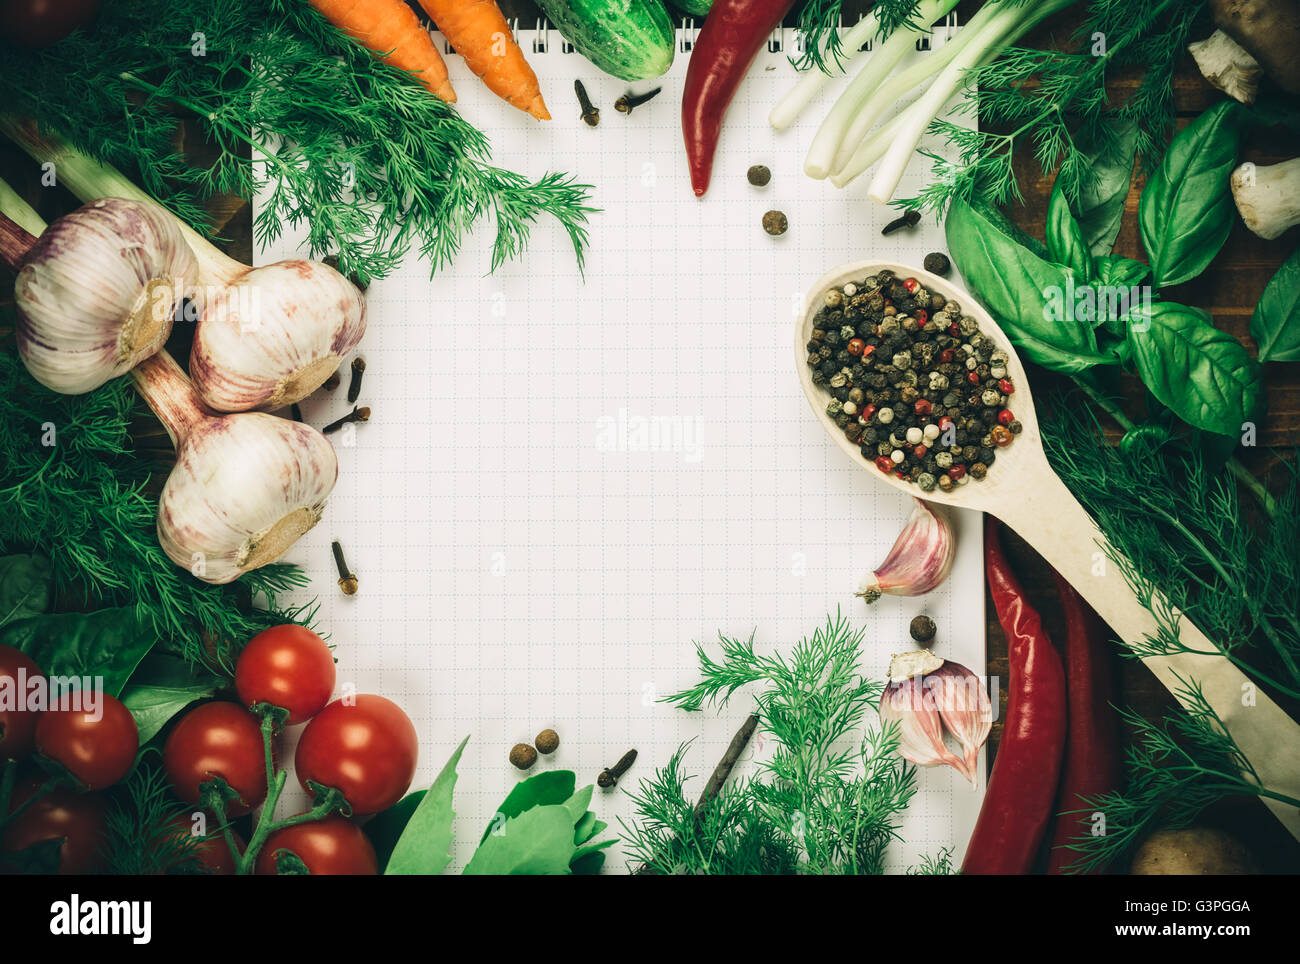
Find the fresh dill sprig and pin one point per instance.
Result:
(1174, 770)
(365, 157)
(148, 829)
(1055, 103)
(828, 799)
(71, 487)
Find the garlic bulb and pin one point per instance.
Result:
(97, 293)
(244, 487)
(925, 695)
(273, 334)
(909, 704)
(920, 558)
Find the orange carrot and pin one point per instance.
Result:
(480, 34)
(393, 33)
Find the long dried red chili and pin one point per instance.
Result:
(1092, 756)
(1022, 787)
(726, 46)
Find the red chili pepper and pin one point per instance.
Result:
(1018, 804)
(733, 32)
(1092, 754)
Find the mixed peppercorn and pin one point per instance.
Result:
(914, 382)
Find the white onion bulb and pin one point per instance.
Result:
(98, 291)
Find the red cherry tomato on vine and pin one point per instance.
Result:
(330, 846)
(217, 740)
(97, 748)
(286, 666)
(81, 819)
(17, 726)
(39, 23)
(366, 750)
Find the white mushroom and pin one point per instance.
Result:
(1268, 196)
(1228, 66)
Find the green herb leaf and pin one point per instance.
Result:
(385, 829)
(425, 844)
(548, 788)
(108, 643)
(1113, 270)
(1015, 285)
(1102, 193)
(538, 841)
(1065, 241)
(161, 687)
(24, 587)
(1204, 375)
(1186, 209)
(1275, 325)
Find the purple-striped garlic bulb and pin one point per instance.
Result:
(270, 336)
(97, 292)
(244, 487)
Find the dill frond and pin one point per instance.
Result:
(354, 149)
(148, 830)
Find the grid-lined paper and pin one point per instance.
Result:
(567, 482)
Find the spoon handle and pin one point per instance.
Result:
(1049, 518)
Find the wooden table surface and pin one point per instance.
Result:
(1229, 289)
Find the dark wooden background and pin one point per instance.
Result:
(1229, 289)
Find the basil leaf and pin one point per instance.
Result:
(24, 587)
(1115, 271)
(548, 788)
(385, 829)
(1204, 375)
(160, 688)
(1100, 209)
(1065, 242)
(425, 845)
(108, 643)
(1186, 209)
(1015, 285)
(538, 841)
(1275, 325)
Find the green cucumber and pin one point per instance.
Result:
(631, 39)
(696, 8)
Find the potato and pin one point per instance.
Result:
(1192, 851)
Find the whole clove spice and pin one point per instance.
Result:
(908, 220)
(347, 579)
(297, 412)
(332, 382)
(590, 112)
(361, 414)
(626, 103)
(354, 386)
(609, 776)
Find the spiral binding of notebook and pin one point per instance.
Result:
(527, 559)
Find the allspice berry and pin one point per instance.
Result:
(523, 756)
(922, 629)
(937, 263)
(759, 175)
(775, 223)
(548, 741)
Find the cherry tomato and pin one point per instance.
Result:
(366, 750)
(39, 23)
(96, 748)
(217, 740)
(81, 819)
(286, 666)
(17, 726)
(330, 846)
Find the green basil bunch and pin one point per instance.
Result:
(1205, 377)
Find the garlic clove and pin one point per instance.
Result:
(271, 337)
(909, 704)
(964, 708)
(98, 292)
(920, 558)
(916, 663)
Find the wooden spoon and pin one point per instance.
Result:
(1022, 490)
